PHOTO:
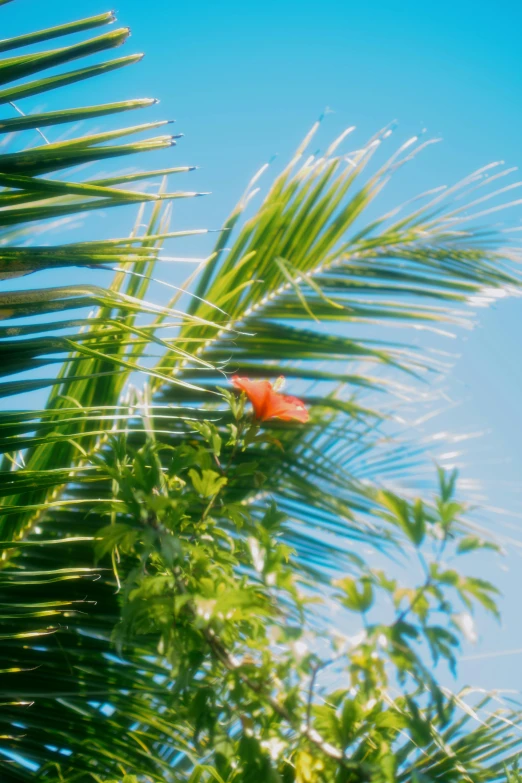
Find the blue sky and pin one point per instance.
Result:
(245, 81)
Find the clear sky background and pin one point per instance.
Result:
(245, 81)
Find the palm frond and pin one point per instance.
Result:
(95, 355)
(68, 698)
(304, 268)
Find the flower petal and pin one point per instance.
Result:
(256, 391)
(268, 404)
(286, 408)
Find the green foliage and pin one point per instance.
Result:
(184, 594)
(232, 611)
(96, 355)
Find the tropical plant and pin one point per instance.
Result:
(173, 566)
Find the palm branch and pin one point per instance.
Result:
(49, 328)
(103, 350)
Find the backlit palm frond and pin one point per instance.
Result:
(91, 334)
(305, 272)
(480, 744)
(69, 701)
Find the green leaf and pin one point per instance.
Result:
(412, 522)
(356, 595)
(471, 543)
(116, 535)
(207, 483)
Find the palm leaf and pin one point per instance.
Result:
(96, 361)
(307, 256)
(64, 658)
(69, 693)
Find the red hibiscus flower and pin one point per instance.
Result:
(269, 404)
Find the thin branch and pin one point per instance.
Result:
(311, 734)
(225, 658)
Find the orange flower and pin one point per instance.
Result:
(268, 404)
